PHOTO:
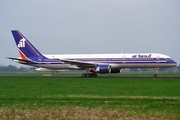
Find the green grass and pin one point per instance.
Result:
(129, 97)
(31, 87)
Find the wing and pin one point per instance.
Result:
(79, 63)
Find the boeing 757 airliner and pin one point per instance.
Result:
(91, 63)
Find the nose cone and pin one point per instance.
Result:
(173, 63)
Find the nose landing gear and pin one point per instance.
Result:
(155, 71)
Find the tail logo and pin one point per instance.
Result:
(21, 43)
(97, 69)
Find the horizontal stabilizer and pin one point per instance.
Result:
(23, 60)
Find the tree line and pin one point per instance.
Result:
(12, 68)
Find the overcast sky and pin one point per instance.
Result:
(91, 26)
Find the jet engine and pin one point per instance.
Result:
(106, 69)
(103, 68)
(115, 70)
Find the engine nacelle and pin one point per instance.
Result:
(115, 70)
(102, 68)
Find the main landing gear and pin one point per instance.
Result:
(87, 74)
(155, 71)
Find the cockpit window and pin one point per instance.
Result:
(168, 59)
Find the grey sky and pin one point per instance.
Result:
(91, 26)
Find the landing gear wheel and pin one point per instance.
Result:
(94, 75)
(155, 75)
(83, 75)
(89, 75)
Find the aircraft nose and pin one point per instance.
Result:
(174, 63)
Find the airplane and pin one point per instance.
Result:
(91, 63)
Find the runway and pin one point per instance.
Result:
(106, 77)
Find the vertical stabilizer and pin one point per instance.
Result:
(25, 48)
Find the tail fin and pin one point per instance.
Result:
(25, 48)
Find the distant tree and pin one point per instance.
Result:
(178, 67)
(163, 69)
(3, 68)
(11, 68)
(134, 69)
(144, 69)
(21, 69)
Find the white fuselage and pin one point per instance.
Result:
(132, 60)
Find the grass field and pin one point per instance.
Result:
(89, 98)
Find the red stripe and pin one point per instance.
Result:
(94, 71)
(22, 55)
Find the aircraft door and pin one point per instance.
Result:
(158, 59)
(124, 59)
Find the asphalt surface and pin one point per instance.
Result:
(86, 77)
